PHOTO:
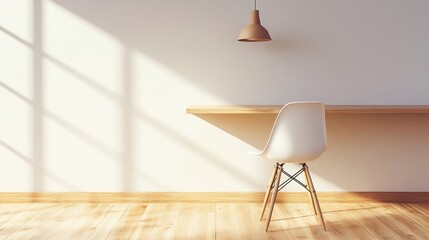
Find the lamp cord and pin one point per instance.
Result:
(255, 4)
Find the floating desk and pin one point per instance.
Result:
(274, 109)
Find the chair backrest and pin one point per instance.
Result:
(298, 134)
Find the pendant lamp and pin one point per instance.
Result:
(254, 32)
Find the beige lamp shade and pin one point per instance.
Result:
(254, 32)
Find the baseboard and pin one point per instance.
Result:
(208, 197)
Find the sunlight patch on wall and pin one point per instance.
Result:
(162, 127)
(15, 91)
(15, 95)
(15, 61)
(16, 172)
(192, 153)
(77, 161)
(82, 133)
(82, 46)
(15, 128)
(16, 17)
(164, 87)
(81, 106)
(15, 142)
(82, 87)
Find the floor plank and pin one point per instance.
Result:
(35, 221)
(78, 222)
(402, 221)
(414, 214)
(147, 222)
(342, 224)
(105, 226)
(128, 222)
(371, 222)
(261, 225)
(21, 215)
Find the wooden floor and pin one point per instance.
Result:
(211, 221)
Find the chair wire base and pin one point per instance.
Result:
(274, 187)
(292, 178)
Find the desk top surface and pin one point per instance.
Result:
(274, 109)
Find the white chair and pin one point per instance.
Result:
(298, 136)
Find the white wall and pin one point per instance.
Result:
(93, 93)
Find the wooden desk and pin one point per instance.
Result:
(274, 109)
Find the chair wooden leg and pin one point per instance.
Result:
(274, 195)
(309, 193)
(267, 193)
(316, 200)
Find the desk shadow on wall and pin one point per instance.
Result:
(253, 129)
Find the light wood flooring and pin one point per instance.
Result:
(211, 221)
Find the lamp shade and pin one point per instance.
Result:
(254, 32)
